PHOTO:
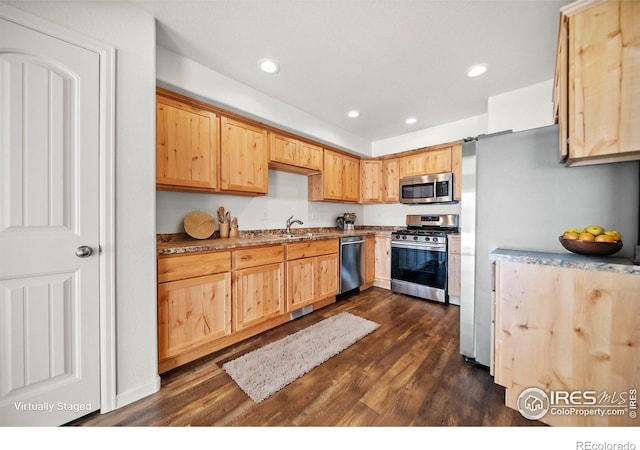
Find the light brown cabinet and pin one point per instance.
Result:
(369, 260)
(371, 177)
(258, 285)
(453, 268)
(244, 159)
(312, 272)
(194, 305)
(597, 82)
(293, 155)
(339, 180)
(426, 161)
(187, 146)
(382, 260)
(568, 330)
(391, 180)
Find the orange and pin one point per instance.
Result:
(585, 236)
(605, 238)
(570, 235)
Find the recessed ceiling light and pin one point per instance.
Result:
(268, 65)
(410, 120)
(353, 114)
(477, 70)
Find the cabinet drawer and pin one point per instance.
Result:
(311, 248)
(454, 246)
(179, 267)
(252, 257)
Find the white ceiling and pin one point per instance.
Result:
(390, 59)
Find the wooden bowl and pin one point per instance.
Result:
(592, 248)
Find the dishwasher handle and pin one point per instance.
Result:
(352, 242)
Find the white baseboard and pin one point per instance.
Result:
(138, 393)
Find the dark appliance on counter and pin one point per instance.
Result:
(419, 256)
(346, 221)
(423, 189)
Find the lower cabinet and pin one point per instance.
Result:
(453, 269)
(194, 305)
(312, 272)
(572, 335)
(382, 260)
(258, 281)
(210, 300)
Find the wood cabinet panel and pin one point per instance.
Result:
(453, 266)
(456, 168)
(339, 180)
(391, 180)
(601, 76)
(243, 157)
(179, 267)
(383, 261)
(192, 312)
(426, 161)
(327, 275)
(186, 146)
(312, 248)
(369, 259)
(252, 257)
(259, 295)
(301, 285)
(371, 180)
(568, 330)
(293, 155)
(312, 272)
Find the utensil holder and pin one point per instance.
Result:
(233, 232)
(224, 229)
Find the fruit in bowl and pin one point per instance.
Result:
(591, 240)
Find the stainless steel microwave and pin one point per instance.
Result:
(436, 188)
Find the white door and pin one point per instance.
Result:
(49, 229)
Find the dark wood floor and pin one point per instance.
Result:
(406, 373)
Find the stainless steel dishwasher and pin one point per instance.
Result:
(351, 263)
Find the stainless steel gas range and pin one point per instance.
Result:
(419, 256)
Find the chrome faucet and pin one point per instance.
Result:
(290, 222)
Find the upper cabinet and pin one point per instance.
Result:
(292, 155)
(391, 180)
(597, 82)
(187, 146)
(426, 161)
(371, 180)
(243, 157)
(339, 180)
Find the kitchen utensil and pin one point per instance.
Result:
(199, 225)
(221, 215)
(592, 248)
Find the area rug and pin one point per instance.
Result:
(264, 371)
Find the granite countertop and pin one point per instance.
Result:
(567, 260)
(179, 243)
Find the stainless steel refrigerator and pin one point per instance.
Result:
(515, 194)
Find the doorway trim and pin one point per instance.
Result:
(107, 120)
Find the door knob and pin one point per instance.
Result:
(84, 251)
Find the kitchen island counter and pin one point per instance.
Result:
(567, 260)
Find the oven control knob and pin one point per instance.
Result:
(427, 239)
(415, 238)
(404, 237)
(435, 239)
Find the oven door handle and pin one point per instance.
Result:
(409, 245)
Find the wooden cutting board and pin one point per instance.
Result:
(199, 225)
